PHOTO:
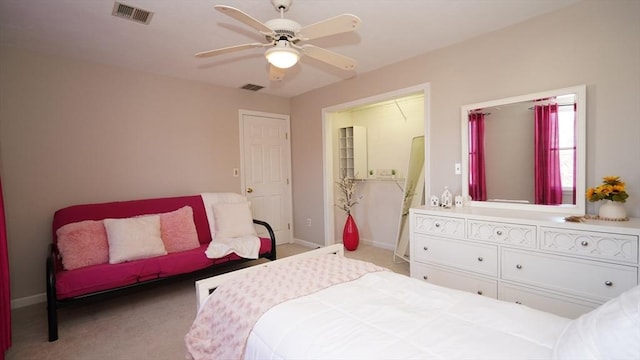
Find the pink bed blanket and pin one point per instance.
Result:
(222, 326)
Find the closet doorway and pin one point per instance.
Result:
(390, 121)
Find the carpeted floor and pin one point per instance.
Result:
(146, 324)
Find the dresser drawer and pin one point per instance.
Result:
(609, 246)
(439, 225)
(479, 258)
(591, 279)
(545, 301)
(504, 233)
(455, 280)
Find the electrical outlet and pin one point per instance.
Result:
(458, 169)
(308, 222)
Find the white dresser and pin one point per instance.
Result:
(530, 258)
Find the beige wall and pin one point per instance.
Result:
(595, 43)
(389, 132)
(76, 132)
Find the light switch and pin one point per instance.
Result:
(458, 169)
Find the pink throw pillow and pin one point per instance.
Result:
(83, 244)
(178, 231)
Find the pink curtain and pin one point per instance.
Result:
(5, 297)
(477, 179)
(548, 183)
(575, 139)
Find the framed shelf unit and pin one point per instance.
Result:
(352, 152)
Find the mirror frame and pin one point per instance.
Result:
(575, 209)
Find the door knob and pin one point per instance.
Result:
(249, 190)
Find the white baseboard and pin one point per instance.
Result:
(308, 244)
(377, 244)
(28, 300)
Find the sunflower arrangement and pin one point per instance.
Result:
(612, 188)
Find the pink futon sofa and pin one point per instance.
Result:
(68, 282)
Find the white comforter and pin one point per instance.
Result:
(411, 319)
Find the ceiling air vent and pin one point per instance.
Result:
(252, 87)
(131, 13)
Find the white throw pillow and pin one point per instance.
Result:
(612, 331)
(233, 220)
(134, 238)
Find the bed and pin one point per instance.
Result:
(320, 305)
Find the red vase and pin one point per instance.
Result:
(350, 236)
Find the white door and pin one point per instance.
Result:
(266, 169)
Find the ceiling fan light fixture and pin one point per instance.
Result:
(282, 55)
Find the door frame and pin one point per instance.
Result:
(327, 147)
(287, 120)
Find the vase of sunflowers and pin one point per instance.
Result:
(612, 193)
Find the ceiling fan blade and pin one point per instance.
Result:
(329, 57)
(335, 25)
(244, 18)
(275, 73)
(229, 49)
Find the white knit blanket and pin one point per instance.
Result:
(222, 326)
(247, 247)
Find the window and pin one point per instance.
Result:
(567, 144)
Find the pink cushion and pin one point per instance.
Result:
(178, 230)
(131, 208)
(83, 244)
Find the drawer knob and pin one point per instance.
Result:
(480, 258)
(608, 283)
(479, 292)
(425, 277)
(518, 266)
(518, 302)
(437, 225)
(425, 248)
(584, 243)
(499, 232)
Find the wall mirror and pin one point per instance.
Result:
(526, 152)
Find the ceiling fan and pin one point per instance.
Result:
(283, 36)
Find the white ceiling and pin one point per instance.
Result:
(391, 31)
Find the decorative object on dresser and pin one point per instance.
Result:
(446, 198)
(528, 257)
(435, 201)
(458, 201)
(612, 193)
(348, 199)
